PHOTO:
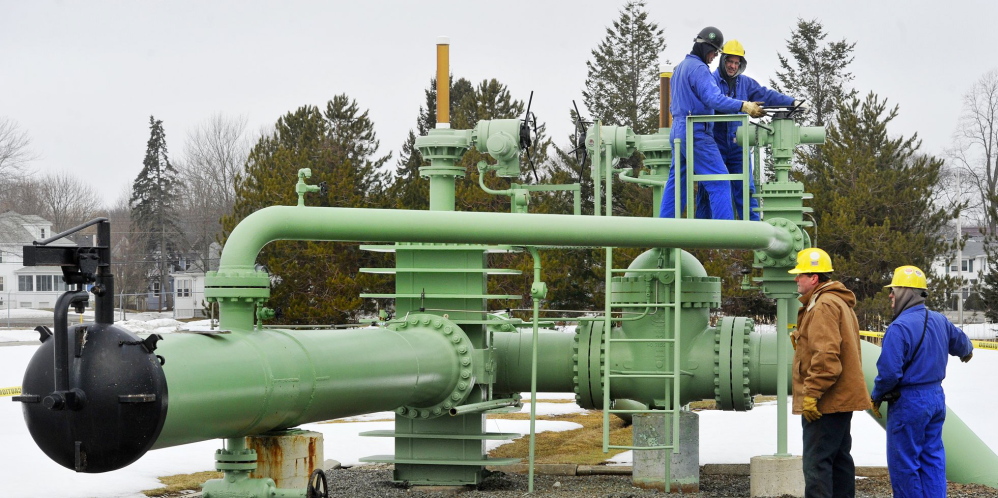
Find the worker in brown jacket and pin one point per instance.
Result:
(827, 376)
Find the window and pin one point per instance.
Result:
(967, 265)
(155, 288)
(24, 283)
(183, 288)
(58, 284)
(43, 233)
(1, 284)
(43, 283)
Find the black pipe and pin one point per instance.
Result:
(104, 281)
(62, 396)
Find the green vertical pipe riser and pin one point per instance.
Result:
(249, 382)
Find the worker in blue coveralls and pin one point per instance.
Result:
(734, 84)
(911, 369)
(694, 92)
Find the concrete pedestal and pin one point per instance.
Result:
(287, 457)
(777, 476)
(654, 429)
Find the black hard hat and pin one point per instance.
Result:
(711, 36)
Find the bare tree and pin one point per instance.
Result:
(214, 155)
(67, 201)
(975, 151)
(15, 154)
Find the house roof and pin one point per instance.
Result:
(12, 229)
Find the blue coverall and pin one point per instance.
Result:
(746, 88)
(916, 459)
(694, 92)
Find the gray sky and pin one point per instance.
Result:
(82, 78)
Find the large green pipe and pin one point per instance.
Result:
(252, 382)
(384, 225)
(968, 459)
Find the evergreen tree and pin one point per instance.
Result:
(316, 282)
(817, 71)
(875, 202)
(622, 82)
(153, 207)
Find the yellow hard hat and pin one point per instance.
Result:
(733, 47)
(908, 276)
(812, 260)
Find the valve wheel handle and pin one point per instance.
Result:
(317, 485)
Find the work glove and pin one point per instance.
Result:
(875, 407)
(793, 341)
(753, 109)
(967, 358)
(802, 106)
(810, 409)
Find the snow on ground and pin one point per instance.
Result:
(25, 471)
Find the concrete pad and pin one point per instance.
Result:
(777, 476)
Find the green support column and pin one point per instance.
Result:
(783, 206)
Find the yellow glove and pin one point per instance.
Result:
(753, 109)
(810, 409)
(967, 358)
(793, 341)
(875, 407)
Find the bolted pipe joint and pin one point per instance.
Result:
(453, 369)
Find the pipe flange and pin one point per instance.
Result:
(463, 348)
(588, 355)
(731, 364)
(700, 292)
(798, 239)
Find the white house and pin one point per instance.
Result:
(188, 294)
(973, 261)
(27, 286)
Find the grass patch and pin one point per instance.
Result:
(182, 482)
(582, 446)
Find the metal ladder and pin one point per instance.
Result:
(670, 339)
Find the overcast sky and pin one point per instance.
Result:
(82, 78)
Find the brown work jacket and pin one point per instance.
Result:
(828, 364)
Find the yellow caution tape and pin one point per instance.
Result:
(10, 391)
(977, 344)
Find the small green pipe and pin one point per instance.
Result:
(537, 292)
(484, 406)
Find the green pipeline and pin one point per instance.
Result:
(383, 225)
(242, 383)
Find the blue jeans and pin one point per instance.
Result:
(706, 161)
(828, 467)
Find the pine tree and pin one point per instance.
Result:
(316, 282)
(875, 202)
(817, 71)
(622, 82)
(153, 206)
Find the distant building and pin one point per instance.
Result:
(27, 286)
(973, 261)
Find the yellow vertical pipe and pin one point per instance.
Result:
(443, 82)
(664, 96)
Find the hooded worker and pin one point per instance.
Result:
(910, 372)
(733, 83)
(828, 380)
(694, 92)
